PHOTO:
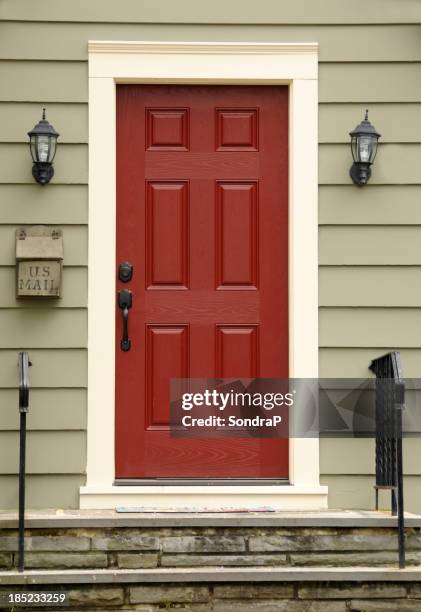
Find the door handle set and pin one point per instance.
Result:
(125, 302)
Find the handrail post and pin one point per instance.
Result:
(23, 364)
(390, 401)
(399, 404)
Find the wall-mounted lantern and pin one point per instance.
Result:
(42, 142)
(364, 140)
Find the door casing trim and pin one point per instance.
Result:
(112, 62)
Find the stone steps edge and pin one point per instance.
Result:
(212, 574)
(148, 521)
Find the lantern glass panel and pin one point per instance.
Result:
(43, 148)
(374, 143)
(53, 142)
(33, 147)
(354, 148)
(365, 146)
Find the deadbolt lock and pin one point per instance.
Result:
(125, 272)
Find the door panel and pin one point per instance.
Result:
(236, 235)
(202, 214)
(167, 234)
(166, 357)
(237, 351)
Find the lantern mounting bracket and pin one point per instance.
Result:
(360, 173)
(42, 172)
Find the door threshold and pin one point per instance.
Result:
(198, 482)
(202, 496)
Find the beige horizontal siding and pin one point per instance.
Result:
(357, 456)
(46, 327)
(394, 164)
(42, 491)
(67, 41)
(370, 327)
(66, 452)
(71, 166)
(370, 286)
(36, 81)
(370, 82)
(74, 290)
(75, 239)
(186, 11)
(18, 118)
(356, 492)
(371, 245)
(31, 204)
(49, 409)
(373, 205)
(33, 81)
(397, 122)
(353, 362)
(51, 368)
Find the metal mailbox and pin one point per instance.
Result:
(39, 259)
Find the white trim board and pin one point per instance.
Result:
(294, 64)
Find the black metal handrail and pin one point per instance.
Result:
(390, 400)
(23, 365)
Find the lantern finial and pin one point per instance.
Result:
(366, 114)
(43, 114)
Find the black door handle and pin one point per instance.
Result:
(125, 300)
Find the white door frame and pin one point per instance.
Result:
(294, 64)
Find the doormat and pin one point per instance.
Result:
(140, 509)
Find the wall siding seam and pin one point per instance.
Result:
(215, 23)
(358, 225)
(76, 266)
(334, 184)
(332, 266)
(323, 103)
(336, 307)
(84, 62)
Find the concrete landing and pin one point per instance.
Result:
(213, 574)
(46, 519)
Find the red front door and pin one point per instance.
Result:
(202, 214)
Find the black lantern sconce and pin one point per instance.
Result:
(364, 141)
(42, 142)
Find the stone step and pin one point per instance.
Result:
(344, 519)
(212, 575)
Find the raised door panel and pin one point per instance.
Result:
(167, 129)
(237, 234)
(237, 351)
(167, 356)
(167, 234)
